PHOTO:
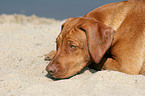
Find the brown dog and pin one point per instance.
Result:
(112, 36)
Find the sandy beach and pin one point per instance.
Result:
(25, 40)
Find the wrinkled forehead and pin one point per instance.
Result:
(71, 22)
(70, 29)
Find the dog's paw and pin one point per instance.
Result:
(49, 56)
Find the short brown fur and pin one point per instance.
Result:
(112, 36)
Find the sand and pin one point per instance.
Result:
(24, 41)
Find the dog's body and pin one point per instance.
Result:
(91, 38)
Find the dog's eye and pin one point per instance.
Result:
(73, 46)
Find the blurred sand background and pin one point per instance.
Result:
(24, 41)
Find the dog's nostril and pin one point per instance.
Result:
(51, 71)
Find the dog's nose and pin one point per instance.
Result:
(51, 69)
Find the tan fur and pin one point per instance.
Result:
(127, 52)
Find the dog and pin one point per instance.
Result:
(111, 37)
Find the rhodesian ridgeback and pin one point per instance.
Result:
(111, 37)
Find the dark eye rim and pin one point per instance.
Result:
(73, 46)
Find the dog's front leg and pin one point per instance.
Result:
(49, 56)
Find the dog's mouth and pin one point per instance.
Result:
(66, 74)
(56, 75)
(59, 76)
(63, 72)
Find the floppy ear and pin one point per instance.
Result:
(99, 38)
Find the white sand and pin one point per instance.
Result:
(23, 43)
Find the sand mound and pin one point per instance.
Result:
(23, 43)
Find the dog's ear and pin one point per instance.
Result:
(99, 38)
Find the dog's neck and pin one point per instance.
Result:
(111, 15)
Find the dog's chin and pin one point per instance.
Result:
(66, 74)
(59, 76)
(56, 77)
(62, 76)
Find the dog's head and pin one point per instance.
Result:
(81, 41)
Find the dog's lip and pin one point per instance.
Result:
(57, 75)
(62, 76)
